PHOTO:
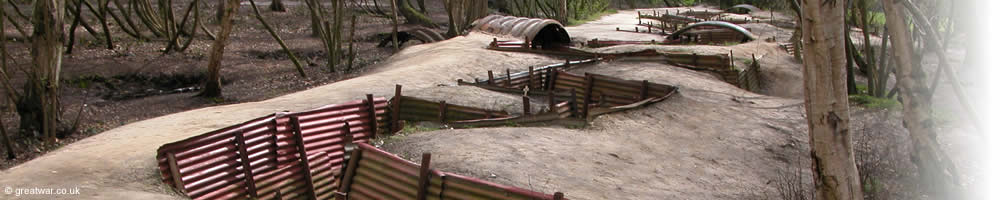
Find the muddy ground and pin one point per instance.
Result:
(710, 141)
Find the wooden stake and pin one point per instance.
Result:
(526, 104)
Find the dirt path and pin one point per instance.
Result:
(120, 164)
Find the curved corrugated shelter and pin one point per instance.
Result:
(743, 8)
(746, 34)
(541, 32)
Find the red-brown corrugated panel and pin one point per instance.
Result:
(211, 165)
(462, 187)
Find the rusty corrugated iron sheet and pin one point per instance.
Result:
(520, 27)
(416, 109)
(377, 174)
(579, 92)
(746, 35)
(261, 157)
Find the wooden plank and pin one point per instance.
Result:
(303, 157)
(372, 114)
(241, 145)
(424, 181)
(175, 173)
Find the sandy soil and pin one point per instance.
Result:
(710, 141)
(119, 163)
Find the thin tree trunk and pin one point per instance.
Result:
(298, 66)
(562, 12)
(423, 8)
(277, 6)
(395, 26)
(350, 45)
(834, 171)
(851, 87)
(315, 17)
(72, 28)
(6, 82)
(933, 165)
(46, 51)
(213, 83)
(449, 6)
(411, 15)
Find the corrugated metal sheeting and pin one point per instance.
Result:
(214, 165)
(539, 31)
(301, 156)
(377, 174)
(580, 92)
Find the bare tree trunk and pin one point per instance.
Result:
(291, 55)
(423, 8)
(350, 43)
(412, 16)
(834, 171)
(3, 71)
(851, 87)
(46, 51)
(395, 26)
(449, 6)
(933, 165)
(277, 6)
(562, 11)
(213, 83)
(315, 17)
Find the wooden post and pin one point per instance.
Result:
(370, 101)
(572, 101)
(490, 74)
(347, 140)
(640, 16)
(442, 111)
(644, 93)
(526, 104)
(531, 77)
(425, 173)
(548, 79)
(352, 165)
(248, 181)
(508, 79)
(274, 141)
(552, 101)
(732, 64)
(396, 101)
(636, 29)
(557, 196)
(589, 91)
(175, 173)
(694, 59)
(601, 101)
(303, 156)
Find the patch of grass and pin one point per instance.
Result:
(875, 102)
(413, 128)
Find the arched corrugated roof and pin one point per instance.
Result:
(521, 27)
(745, 6)
(746, 34)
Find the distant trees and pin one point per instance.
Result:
(937, 173)
(834, 171)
